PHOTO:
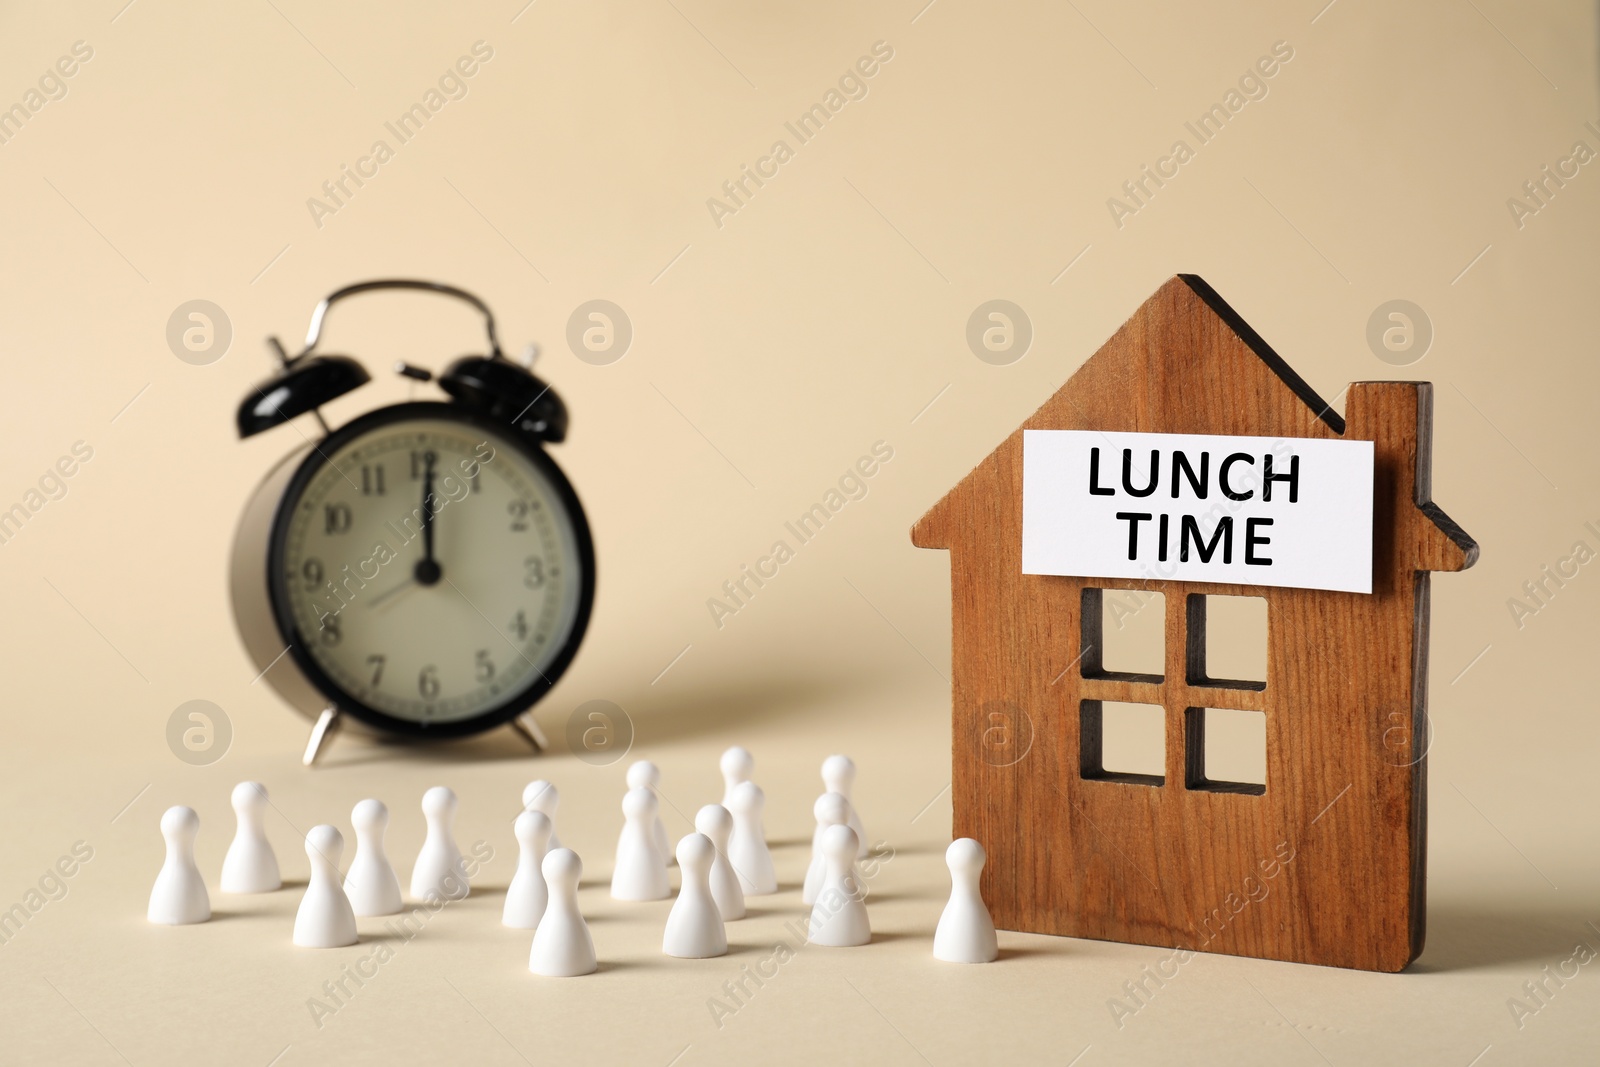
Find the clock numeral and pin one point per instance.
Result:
(421, 461)
(518, 510)
(533, 576)
(311, 570)
(336, 518)
(519, 625)
(372, 480)
(331, 634)
(483, 668)
(428, 682)
(376, 662)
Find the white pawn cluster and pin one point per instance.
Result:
(722, 862)
(326, 917)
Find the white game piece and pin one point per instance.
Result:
(839, 917)
(541, 796)
(965, 933)
(640, 873)
(562, 947)
(647, 775)
(527, 895)
(439, 869)
(715, 822)
(325, 918)
(250, 866)
(737, 766)
(694, 926)
(371, 884)
(179, 896)
(839, 776)
(747, 846)
(831, 809)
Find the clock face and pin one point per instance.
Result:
(434, 569)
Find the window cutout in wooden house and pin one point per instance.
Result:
(1124, 635)
(1123, 742)
(1225, 751)
(1227, 641)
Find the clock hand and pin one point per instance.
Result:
(391, 593)
(427, 571)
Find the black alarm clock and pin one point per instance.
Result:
(425, 569)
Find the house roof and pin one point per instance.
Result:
(1186, 362)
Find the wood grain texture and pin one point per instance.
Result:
(1326, 864)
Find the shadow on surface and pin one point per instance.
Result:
(883, 937)
(1465, 935)
(1020, 953)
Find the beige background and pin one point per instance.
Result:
(769, 353)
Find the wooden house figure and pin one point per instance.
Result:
(1324, 862)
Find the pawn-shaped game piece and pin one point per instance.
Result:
(839, 917)
(747, 846)
(250, 866)
(371, 884)
(541, 796)
(839, 776)
(527, 896)
(714, 821)
(646, 775)
(737, 766)
(965, 933)
(694, 926)
(179, 896)
(440, 869)
(831, 809)
(562, 947)
(325, 918)
(640, 873)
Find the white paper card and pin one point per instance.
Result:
(1281, 511)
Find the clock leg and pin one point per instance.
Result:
(528, 727)
(326, 725)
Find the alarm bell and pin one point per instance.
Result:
(491, 384)
(304, 385)
(507, 393)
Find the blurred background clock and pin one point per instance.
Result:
(426, 569)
